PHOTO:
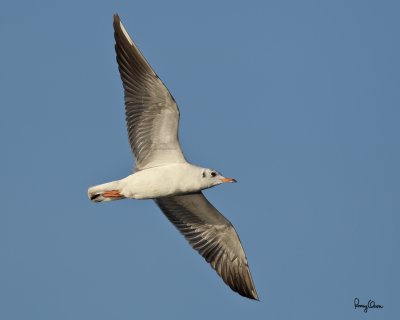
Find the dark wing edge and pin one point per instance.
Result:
(213, 237)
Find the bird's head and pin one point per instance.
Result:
(210, 178)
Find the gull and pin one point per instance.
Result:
(163, 174)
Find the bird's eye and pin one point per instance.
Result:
(213, 174)
(204, 174)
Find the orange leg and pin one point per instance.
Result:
(112, 194)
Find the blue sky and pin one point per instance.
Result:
(298, 100)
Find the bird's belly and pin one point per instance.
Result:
(148, 190)
(155, 183)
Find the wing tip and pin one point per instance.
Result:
(254, 295)
(243, 283)
(117, 20)
(119, 28)
(249, 291)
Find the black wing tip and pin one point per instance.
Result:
(250, 294)
(244, 285)
(253, 296)
(117, 22)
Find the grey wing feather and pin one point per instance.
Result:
(151, 112)
(213, 236)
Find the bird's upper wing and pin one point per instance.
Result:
(213, 236)
(152, 115)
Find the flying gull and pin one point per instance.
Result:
(163, 174)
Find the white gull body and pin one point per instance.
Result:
(163, 174)
(163, 181)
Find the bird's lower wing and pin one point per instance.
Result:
(213, 236)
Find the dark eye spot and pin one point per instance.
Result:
(213, 174)
(204, 174)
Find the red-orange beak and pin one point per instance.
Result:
(228, 180)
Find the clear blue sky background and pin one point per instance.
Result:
(298, 100)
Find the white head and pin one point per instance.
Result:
(210, 178)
